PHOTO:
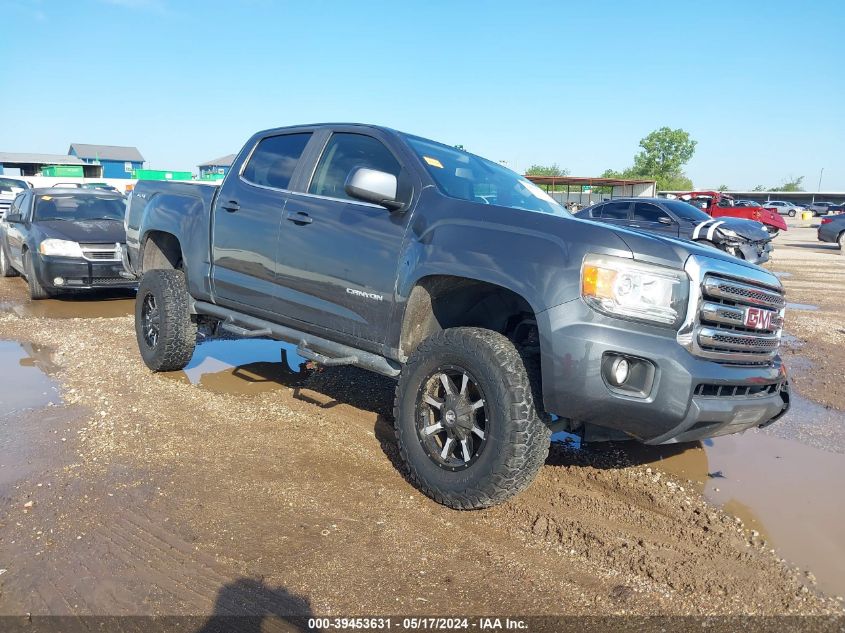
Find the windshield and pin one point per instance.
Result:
(79, 207)
(465, 176)
(686, 211)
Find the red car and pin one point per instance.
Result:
(718, 205)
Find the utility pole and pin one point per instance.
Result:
(821, 173)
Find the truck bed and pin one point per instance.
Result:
(180, 208)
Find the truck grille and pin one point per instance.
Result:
(707, 390)
(720, 331)
(101, 252)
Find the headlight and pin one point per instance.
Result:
(60, 248)
(624, 288)
(728, 232)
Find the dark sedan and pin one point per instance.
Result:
(745, 239)
(832, 229)
(64, 239)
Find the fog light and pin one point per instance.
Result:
(619, 371)
(59, 281)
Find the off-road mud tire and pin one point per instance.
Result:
(518, 442)
(36, 290)
(177, 333)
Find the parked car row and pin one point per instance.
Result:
(502, 317)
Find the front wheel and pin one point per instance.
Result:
(465, 418)
(792, 213)
(841, 242)
(166, 335)
(36, 290)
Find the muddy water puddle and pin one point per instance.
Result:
(107, 305)
(788, 491)
(30, 427)
(24, 384)
(809, 307)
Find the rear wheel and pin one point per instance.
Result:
(791, 213)
(6, 269)
(841, 241)
(166, 335)
(466, 423)
(36, 290)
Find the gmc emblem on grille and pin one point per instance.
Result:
(758, 318)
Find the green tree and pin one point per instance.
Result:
(611, 173)
(759, 188)
(790, 184)
(664, 153)
(723, 188)
(546, 170)
(674, 182)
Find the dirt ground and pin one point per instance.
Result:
(815, 278)
(244, 487)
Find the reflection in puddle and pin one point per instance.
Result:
(244, 365)
(793, 493)
(801, 306)
(88, 306)
(789, 492)
(24, 384)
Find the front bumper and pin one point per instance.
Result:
(684, 401)
(79, 274)
(756, 252)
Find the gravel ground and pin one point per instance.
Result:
(260, 489)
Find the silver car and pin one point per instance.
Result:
(783, 207)
(821, 208)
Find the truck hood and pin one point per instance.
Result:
(86, 231)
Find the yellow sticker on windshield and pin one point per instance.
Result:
(46, 197)
(433, 162)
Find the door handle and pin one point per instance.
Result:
(298, 217)
(232, 206)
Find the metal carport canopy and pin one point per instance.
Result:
(619, 187)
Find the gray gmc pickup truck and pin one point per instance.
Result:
(501, 316)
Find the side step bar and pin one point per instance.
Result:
(330, 353)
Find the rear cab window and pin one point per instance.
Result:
(274, 160)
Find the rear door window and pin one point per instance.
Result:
(647, 212)
(274, 160)
(344, 153)
(615, 210)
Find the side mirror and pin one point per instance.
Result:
(663, 219)
(372, 185)
(14, 218)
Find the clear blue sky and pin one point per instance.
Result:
(759, 85)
